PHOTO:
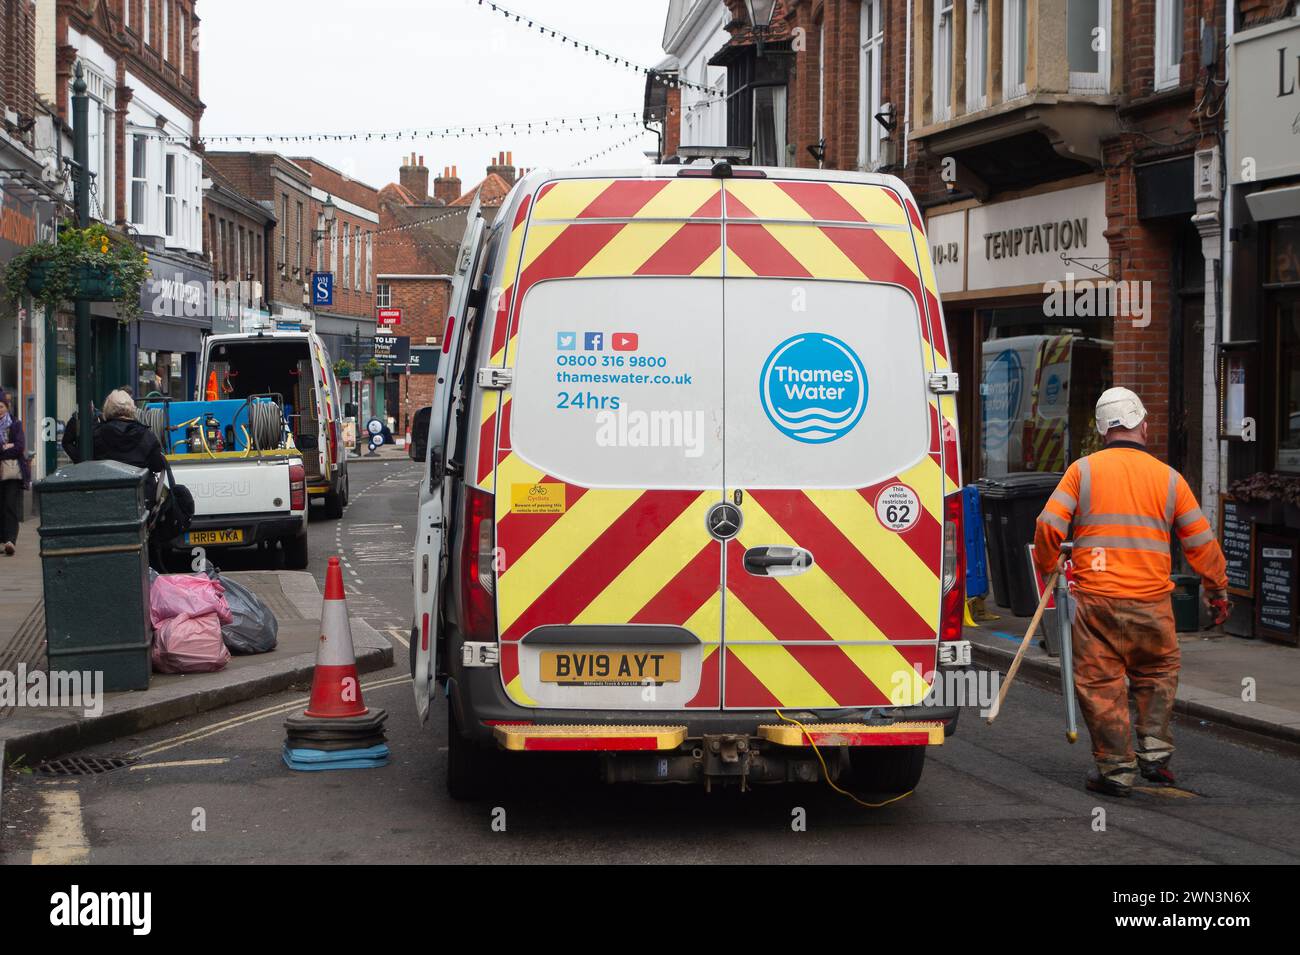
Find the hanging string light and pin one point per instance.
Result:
(610, 149)
(591, 49)
(523, 127)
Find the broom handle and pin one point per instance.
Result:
(1024, 645)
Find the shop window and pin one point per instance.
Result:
(1287, 312)
(160, 372)
(1038, 389)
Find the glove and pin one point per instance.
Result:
(1217, 601)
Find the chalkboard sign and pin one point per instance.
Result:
(1277, 561)
(1237, 535)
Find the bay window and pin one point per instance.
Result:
(1087, 43)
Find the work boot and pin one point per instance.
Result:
(1158, 773)
(1108, 785)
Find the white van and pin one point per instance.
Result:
(692, 499)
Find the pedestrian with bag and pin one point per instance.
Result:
(1123, 505)
(119, 436)
(15, 475)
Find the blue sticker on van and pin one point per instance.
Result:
(1003, 385)
(813, 388)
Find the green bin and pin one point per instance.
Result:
(95, 568)
(1186, 598)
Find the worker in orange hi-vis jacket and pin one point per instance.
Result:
(1123, 505)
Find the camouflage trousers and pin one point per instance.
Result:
(1117, 640)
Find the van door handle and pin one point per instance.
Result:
(777, 561)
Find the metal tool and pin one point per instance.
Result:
(1063, 624)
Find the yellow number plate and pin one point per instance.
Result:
(611, 667)
(215, 537)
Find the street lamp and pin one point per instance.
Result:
(760, 15)
(328, 212)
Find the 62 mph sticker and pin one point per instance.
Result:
(898, 508)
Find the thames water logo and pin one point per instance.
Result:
(813, 388)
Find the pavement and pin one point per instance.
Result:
(33, 734)
(1217, 672)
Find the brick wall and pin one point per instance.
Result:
(18, 56)
(354, 294)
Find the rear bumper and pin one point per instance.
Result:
(481, 706)
(258, 529)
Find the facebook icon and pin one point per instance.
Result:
(593, 341)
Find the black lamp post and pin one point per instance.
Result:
(760, 15)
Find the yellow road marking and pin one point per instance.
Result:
(62, 840)
(178, 763)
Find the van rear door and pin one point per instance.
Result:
(609, 449)
(833, 583)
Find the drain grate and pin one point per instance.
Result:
(82, 765)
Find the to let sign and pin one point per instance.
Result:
(392, 349)
(388, 317)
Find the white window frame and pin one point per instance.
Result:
(871, 37)
(146, 14)
(166, 30)
(169, 209)
(138, 212)
(821, 84)
(941, 74)
(370, 260)
(1092, 81)
(347, 254)
(1014, 70)
(977, 54)
(1168, 54)
(383, 295)
(126, 13)
(357, 261)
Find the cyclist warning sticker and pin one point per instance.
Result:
(898, 508)
(546, 497)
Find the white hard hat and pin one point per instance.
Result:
(1119, 408)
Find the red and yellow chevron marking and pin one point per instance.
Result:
(854, 734)
(620, 556)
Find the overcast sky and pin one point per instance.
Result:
(299, 67)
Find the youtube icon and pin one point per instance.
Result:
(625, 341)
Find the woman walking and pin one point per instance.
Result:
(15, 475)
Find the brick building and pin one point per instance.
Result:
(419, 233)
(141, 66)
(1046, 141)
(239, 232)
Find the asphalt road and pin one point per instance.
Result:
(1002, 794)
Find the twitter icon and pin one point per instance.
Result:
(566, 341)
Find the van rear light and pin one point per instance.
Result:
(446, 334)
(952, 611)
(333, 435)
(477, 570)
(297, 487)
(424, 631)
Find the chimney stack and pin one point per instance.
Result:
(446, 187)
(504, 167)
(414, 177)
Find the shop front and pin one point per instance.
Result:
(174, 317)
(1028, 308)
(1259, 366)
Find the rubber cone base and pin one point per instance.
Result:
(312, 760)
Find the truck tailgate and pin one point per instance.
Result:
(236, 485)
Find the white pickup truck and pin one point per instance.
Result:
(261, 438)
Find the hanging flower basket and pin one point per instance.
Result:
(88, 264)
(93, 283)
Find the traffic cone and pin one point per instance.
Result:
(336, 731)
(335, 687)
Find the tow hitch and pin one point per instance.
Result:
(726, 756)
